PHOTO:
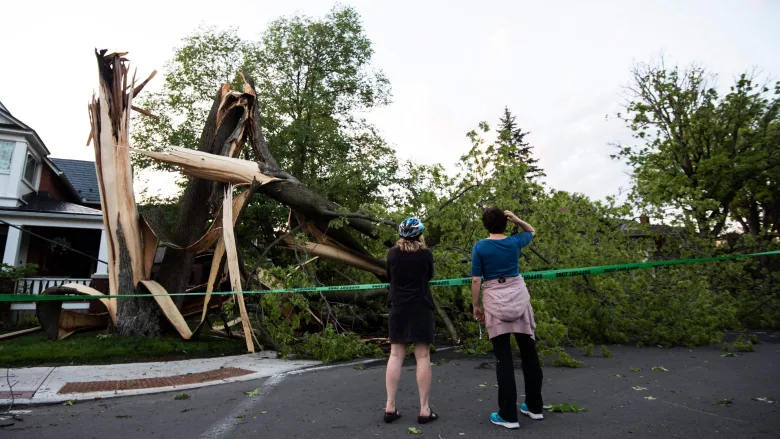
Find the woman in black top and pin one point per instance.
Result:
(409, 269)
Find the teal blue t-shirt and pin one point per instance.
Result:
(496, 258)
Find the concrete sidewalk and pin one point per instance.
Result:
(45, 385)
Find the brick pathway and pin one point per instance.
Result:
(148, 383)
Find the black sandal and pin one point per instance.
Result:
(426, 419)
(392, 417)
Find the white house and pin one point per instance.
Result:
(43, 202)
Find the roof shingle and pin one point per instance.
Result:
(83, 176)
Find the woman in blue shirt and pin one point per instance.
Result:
(505, 310)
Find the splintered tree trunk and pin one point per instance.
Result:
(110, 120)
(135, 316)
(227, 129)
(176, 266)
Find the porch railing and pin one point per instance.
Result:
(37, 285)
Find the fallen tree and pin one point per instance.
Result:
(233, 124)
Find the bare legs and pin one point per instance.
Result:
(422, 352)
(393, 375)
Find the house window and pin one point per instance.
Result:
(6, 155)
(29, 169)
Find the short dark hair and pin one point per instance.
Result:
(494, 220)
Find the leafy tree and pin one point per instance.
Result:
(313, 78)
(708, 158)
(510, 133)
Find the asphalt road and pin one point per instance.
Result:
(344, 402)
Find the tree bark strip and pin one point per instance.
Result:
(232, 263)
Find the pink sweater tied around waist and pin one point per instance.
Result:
(508, 307)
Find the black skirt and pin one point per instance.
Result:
(411, 324)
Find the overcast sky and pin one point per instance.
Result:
(559, 65)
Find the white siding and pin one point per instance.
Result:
(10, 184)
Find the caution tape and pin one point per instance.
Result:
(529, 277)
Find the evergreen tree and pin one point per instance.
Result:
(510, 133)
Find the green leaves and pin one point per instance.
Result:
(722, 402)
(742, 344)
(564, 408)
(181, 397)
(638, 388)
(413, 430)
(660, 369)
(635, 369)
(255, 392)
(330, 345)
(565, 360)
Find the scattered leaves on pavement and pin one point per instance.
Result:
(240, 417)
(635, 369)
(722, 402)
(563, 408)
(359, 367)
(728, 354)
(638, 388)
(264, 412)
(181, 397)
(483, 385)
(618, 375)
(123, 416)
(69, 403)
(660, 369)
(255, 392)
(768, 400)
(413, 430)
(650, 398)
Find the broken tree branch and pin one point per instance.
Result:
(145, 112)
(450, 201)
(357, 215)
(268, 248)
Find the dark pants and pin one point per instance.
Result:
(505, 373)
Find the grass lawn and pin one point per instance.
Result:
(97, 348)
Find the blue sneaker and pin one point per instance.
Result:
(494, 418)
(536, 416)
